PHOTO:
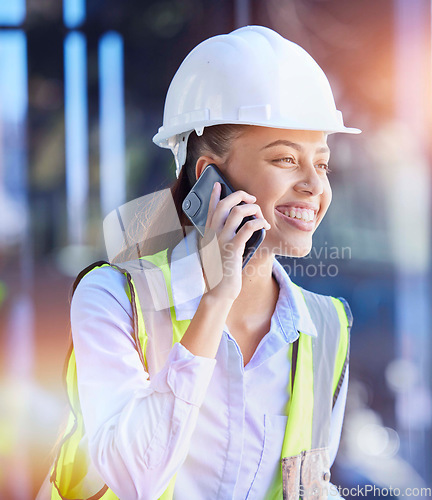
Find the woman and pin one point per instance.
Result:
(234, 387)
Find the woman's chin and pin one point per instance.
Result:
(299, 250)
(294, 249)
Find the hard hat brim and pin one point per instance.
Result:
(161, 139)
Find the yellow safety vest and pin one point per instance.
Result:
(315, 362)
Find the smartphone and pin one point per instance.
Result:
(196, 204)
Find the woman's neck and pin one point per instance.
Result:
(257, 300)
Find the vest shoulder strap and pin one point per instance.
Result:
(86, 270)
(327, 314)
(347, 311)
(131, 294)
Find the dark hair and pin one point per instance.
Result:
(215, 140)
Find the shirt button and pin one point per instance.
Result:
(326, 476)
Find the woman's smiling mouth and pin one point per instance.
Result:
(299, 216)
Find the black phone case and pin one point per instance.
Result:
(196, 204)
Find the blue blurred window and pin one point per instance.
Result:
(76, 124)
(13, 111)
(112, 126)
(12, 12)
(13, 75)
(73, 13)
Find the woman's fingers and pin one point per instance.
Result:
(222, 248)
(224, 207)
(246, 231)
(238, 213)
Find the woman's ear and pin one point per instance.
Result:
(201, 164)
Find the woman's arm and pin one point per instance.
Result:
(138, 429)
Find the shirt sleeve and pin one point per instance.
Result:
(138, 429)
(336, 430)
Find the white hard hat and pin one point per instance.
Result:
(252, 76)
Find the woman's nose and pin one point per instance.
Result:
(310, 181)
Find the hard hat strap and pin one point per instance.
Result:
(178, 146)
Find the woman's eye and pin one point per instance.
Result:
(324, 166)
(287, 159)
(292, 161)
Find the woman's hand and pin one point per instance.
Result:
(221, 247)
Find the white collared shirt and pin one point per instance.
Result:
(216, 423)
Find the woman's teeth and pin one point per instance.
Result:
(305, 215)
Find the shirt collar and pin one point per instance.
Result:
(188, 285)
(300, 313)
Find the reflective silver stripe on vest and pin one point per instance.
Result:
(325, 345)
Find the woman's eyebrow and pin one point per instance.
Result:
(294, 145)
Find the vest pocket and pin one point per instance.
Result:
(306, 475)
(269, 467)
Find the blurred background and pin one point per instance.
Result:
(82, 87)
